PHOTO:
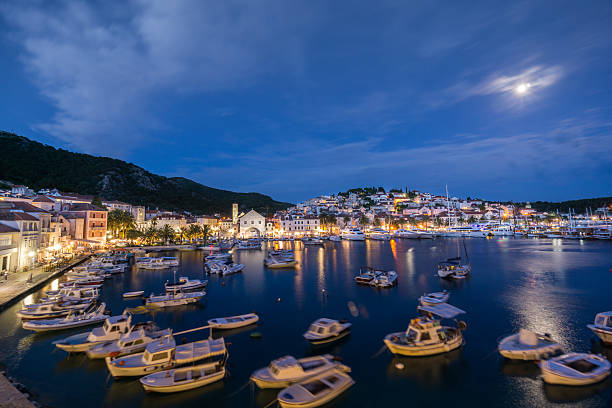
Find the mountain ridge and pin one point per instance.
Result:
(37, 165)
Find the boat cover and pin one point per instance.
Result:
(443, 310)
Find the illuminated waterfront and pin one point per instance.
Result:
(549, 286)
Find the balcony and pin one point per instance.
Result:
(97, 228)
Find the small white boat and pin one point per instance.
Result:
(353, 234)
(185, 378)
(49, 310)
(288, 370)
(426, 336)
(367, 277)
(280, 259)
(453, 268)
(219, 257)
(434, 298)
(385, 279)
(134, 341)
(602, 327)
(315, 391)
(69, 322)
(186, 284)
(137, 293)
(327, 330)
(575, 369)
(312, 241)
(164, 354)
(112, 329)
(234, 322)
(335, 238)
(174, 299)
(527, 345)
(231, 269)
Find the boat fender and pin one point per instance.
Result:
(121, 363)
(114, 354)
(462, 325)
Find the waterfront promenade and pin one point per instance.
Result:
(21, 283)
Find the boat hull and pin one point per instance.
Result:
(185, 386)
(331, 339)
(604, 335)
(421, 351)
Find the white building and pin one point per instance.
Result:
(252, 224)
(299, 225)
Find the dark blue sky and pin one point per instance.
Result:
(298, 98)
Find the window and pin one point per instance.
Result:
(159, 356)
(425, 336)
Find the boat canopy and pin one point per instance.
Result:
(443, 310)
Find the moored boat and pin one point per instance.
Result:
(184, 378)
(527, 345)
(315, 391)
(288, 370)
(434, 298)
(71, 321)
(112, 329)
(326, 330)
(174, 299)
(134, 341)
(602, 327)
(234, 322)
(575, 369)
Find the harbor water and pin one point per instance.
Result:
(549, 286)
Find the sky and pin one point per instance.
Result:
(499, 100)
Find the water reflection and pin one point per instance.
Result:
(428, 372)
(566, 394)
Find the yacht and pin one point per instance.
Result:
(503, 230)
(426, 335)
(378, 234)
(453, 267)
(352, 234)
(404, 233)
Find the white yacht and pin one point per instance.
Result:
(503, 230)
(404, 233)
(378, 234)
(352, 234)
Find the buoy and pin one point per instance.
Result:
(223, 284)
(399, 366)
(278, 300)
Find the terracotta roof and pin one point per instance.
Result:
(43, 199)
(24, 206)
(16, 216)
(84, 207)
(6, 228)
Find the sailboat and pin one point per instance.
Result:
(453, 267)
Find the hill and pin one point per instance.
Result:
(41, 166)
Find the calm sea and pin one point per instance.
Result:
(549, 286)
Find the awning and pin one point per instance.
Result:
(443, 310)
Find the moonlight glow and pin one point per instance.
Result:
(521, 89)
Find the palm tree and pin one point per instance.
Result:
(149, 234)
(206, 231)
(182, 233)
(133, 234)
(347, 219)
(363, 220)
(167, 233)
(194, 231)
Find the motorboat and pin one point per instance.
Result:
(575, 369)
(404, 233)
(384, 279)
(164, 354)
(288, 370)
(335, 238)
(50, 310)
(134, 341)
(453, 268)
(434, 298)
(174, 298)
(234, 322)
(67, 294)
(280, 259)
(71, 321)
(602, 327)
(112, 329)
(219, 257)
(326, 330)
(136, 293)
(426, 335)
(366, 278)
(502, 230)
(527, 345)
(231, 269)
(378, 234)
(315, 391)
(162, 262)
(313, 241)
(184, 378)
(352, 234)
(185, 284)
(250, 244)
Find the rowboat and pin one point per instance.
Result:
(174, 299)
(575, 369)
(233, 322)
(527, 345)
(183, 379)
(137, 293)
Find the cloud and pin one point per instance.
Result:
(107, 69)
(505, 166)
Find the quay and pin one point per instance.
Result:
(11, 397)
(23, 283)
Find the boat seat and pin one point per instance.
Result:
(583, 366)
(180, 376)
(195, 374)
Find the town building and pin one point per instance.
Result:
(252, 225)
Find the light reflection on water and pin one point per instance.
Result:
(538, 284)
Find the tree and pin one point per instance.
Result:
(119, 221)
(206, 231)
(182, 233)
(472, 220)
(346, 219)
(166, 233)
(194, 231)
(363, 220)
(150, 234)
(133, 234)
